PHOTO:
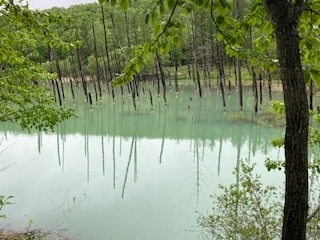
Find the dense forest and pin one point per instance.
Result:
(104, 39)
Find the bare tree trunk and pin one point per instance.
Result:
(238, 61)
(220, 74)
(70, 79)
(269, 86)
(174, 62)
(83, 78)
(195, 55)
(235, 72)
(260, 90)
(106, 43)
(60, 77)
(311, 95)
(191, 69)
(255, 90)
(96, 60)
(162, 79)
(151, 101)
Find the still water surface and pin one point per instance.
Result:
(115, 173)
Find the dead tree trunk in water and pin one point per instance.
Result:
(96, 59)
(255, 90)
(54, 82)
(174, 57)
(221, 76)
(108, 68)
(238, 61)
(83, 78)
(69, 74)
(269, 86)
(54, 91)
(176, 76)
(158, 78)
(240, 83)
(193, 26)
(60, 77)
(162, 79)
(151, 101)
(191, 69)
(260, 90)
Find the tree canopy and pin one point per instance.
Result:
(23, 96)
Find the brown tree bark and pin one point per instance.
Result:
(285, 16)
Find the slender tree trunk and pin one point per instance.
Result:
(116, 34)
(68, 73)
(162, 79)
(73, 69)
(174, 62)
(191, 69)
(58, 91)
(235, 72)
(260, 90)
(285, 17)
(106, 43)
(151, 101)
(96, 59)
(311, 95)
(204, 57)
(83, 78)
(127, 28)
(193, 26)
(220, 74)
(238, 61)
(60, 77)
(269, 86)
(255, 90)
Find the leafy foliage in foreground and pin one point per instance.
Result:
(252, 210)
(23, 96)
(4, 201)
(248, 211)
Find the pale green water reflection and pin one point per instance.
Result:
(114, 173)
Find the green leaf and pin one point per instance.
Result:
(219, 37)
(154, 18)
(176, 41)
(171, 4)
(306, 76)
(101, 1)
(161, 8)
(156, 30)
(315, 75)
(189, 7)
(223, 3)
(220, 20)
(308, 45)
(146, 18)
(231, 39)
(124, 4)
(113, 2)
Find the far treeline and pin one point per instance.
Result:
(104, 40)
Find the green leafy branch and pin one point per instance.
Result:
(4, 201)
